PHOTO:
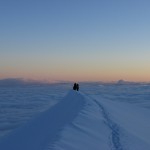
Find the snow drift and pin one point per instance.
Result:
(81, 121)
(45, 128)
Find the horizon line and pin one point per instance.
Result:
(71, 81)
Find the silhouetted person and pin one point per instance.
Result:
(75, 86)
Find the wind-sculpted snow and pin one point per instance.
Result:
(18, 104)
(99, 117)
(45, 129)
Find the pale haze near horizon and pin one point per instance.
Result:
(75, 40)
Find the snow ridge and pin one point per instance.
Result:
(84, 121)
(45, 129)
(115, 131)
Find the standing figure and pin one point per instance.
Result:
(75, 86)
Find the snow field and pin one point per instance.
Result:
(84, 121)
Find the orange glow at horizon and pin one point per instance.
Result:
(80, 75)
(85, 68)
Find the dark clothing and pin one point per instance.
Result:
(76, 87)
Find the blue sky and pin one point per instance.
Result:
(75, 39)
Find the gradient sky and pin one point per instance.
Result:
(77, 40)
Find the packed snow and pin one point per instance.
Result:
(55, 117)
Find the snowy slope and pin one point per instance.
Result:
(129, 124)
(45, 128)
(80, 122)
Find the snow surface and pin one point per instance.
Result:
(107, 117)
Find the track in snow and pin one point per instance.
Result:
(115, 132)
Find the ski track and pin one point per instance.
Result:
(115, 131)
